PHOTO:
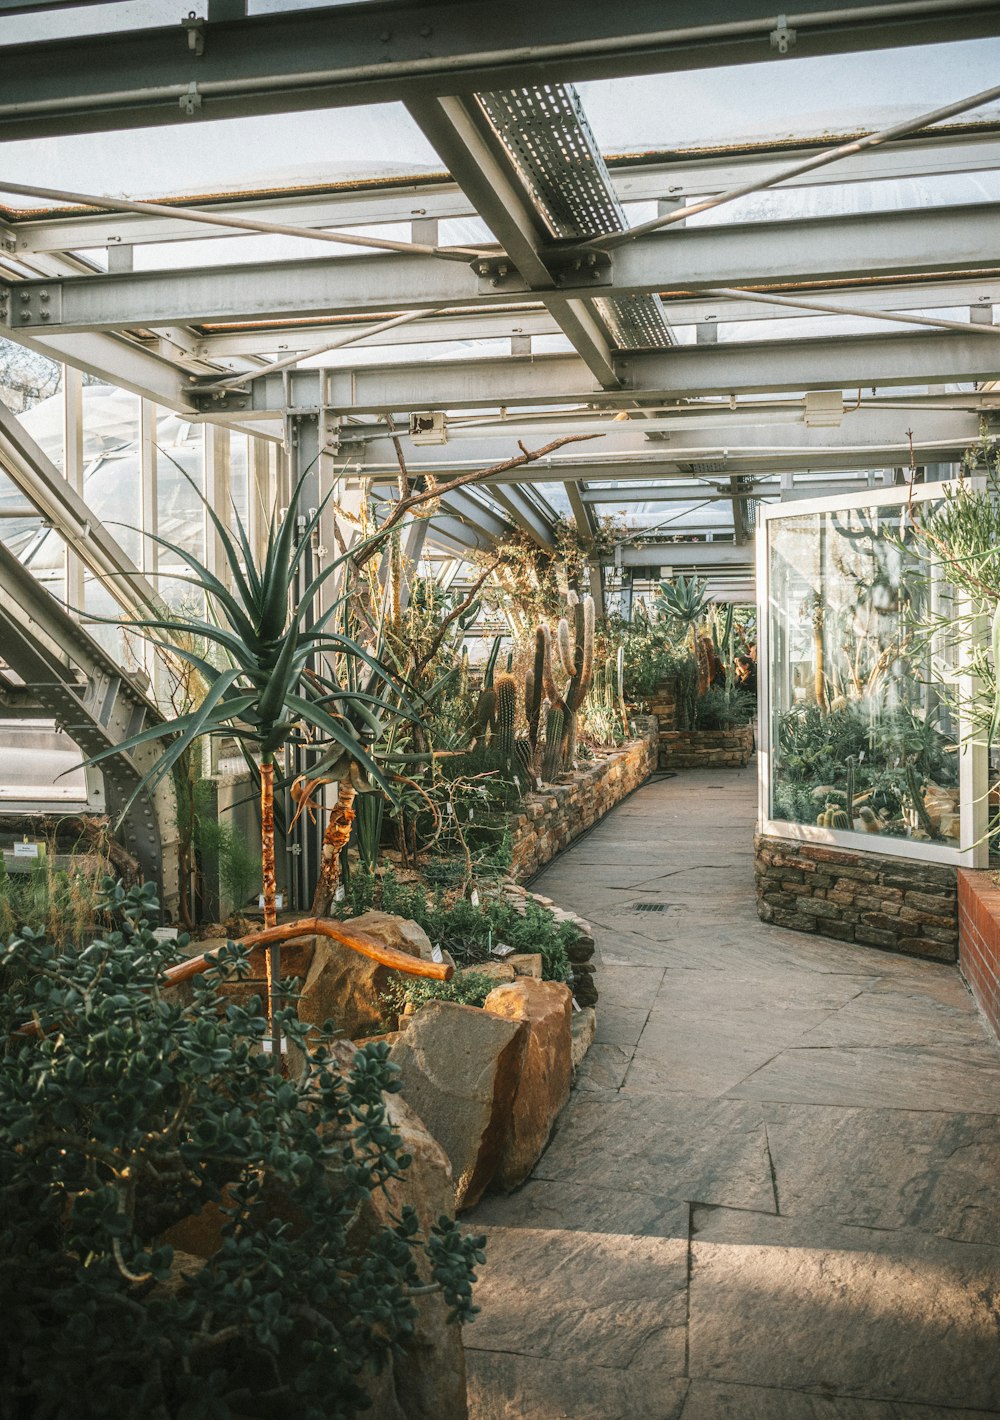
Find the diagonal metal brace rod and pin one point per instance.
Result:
(243, 224)
(351, 338)
(818, 160)
(806, 303)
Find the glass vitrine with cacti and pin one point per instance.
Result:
(864, 725)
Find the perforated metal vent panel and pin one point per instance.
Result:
(546, 134)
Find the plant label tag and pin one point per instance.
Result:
(474, 897)
(165, 934)
(279, 901)
(268, 1045)
(436, 953)
(25, 850)
(340, 894)
(501, 950)
(576, 1004)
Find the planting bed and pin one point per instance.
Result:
(552, 818)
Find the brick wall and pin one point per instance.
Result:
(552, 818)
(979, 940)
(900, 904)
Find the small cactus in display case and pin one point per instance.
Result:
(833, 817)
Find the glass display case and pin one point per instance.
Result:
(863, 734)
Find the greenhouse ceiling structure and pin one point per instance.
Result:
(652, 265)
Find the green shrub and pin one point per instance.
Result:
(128, 1111)
(465, 930)
(471, 989)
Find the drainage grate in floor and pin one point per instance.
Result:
(649, 906)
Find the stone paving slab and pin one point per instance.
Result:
(597, 1295)
(505, 1387)
(773, 1194)
(937, 1077)
(713, 1055)
(937, 1172)
(885, 1015)
(707, 1400)
(800, 1304)
(674, 1145)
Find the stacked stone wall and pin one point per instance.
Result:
(706, 749)
(900, 904)
(552, 818)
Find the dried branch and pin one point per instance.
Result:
(457, 611)
(441, 490)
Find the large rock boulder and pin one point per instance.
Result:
(460, 1069)
(344, 987)
(428, 1380)
(400, 932)
(546, 1009)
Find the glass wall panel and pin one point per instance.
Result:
(863, 729)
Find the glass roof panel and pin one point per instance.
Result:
(793, 97)
(128, 14)
(345, 145)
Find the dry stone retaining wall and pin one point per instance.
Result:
(706, 749)
(900, 904)
(552, 818)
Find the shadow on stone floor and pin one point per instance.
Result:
(773, 1194)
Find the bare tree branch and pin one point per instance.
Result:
(414, 500)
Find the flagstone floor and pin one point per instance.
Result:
(773, 1194)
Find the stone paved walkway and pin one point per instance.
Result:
(773, 1194)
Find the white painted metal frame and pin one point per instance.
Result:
(973, 850)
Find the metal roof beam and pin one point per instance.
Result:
(315, 58)
(524, 513)
(464, 138)
(840, 363)
(628, 452)
(844, 248)
(503, 325)
(114, 358)
(694, 174)
(681, 555)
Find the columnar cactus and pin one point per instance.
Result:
(552, 762)
(506, 700)
(533, 688)
(577, 657)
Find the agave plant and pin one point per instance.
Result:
(684, 600)
(280, 678)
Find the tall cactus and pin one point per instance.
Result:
(552, 763)
(577, 657)
(491, 662)
(506, 695)
(620, 698)
(534, 683)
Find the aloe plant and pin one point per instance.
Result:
(280, 678)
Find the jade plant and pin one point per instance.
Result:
(123, 1111)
